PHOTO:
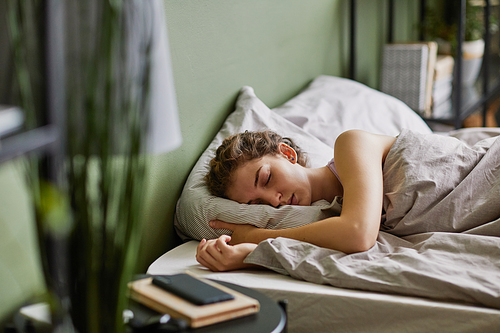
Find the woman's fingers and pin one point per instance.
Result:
(201, 250)
(203, 262)
(200, 245)
(208, 254)
(222, 243)
(220, 254)
(217, 255)
(223, 240)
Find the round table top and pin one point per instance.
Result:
(270, 318)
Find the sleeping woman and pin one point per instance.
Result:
(265, 168)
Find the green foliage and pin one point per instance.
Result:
(441, 22)
(434, 26)
(96, 204)
(474, 22)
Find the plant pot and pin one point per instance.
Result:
(473, 49)
(472, 58)
(470, 70)
(470, 49)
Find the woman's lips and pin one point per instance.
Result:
(293, 200)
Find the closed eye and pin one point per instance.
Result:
(268, 179)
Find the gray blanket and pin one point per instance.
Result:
(439, 234)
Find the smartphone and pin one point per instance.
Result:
(191, 289)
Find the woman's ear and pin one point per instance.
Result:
(288, 152)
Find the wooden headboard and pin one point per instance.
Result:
(277, 47)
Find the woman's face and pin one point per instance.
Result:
(275, 180)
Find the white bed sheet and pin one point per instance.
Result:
(321, 308)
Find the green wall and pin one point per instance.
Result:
(372, 31)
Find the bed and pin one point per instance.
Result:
(314, 117)
(387, 281)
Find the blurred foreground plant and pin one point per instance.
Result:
(88, 214)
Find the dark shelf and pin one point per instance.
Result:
(18, 144)
(473, 98)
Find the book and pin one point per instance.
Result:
(11, 119)
(442, 90)
(443, 110)
(158, 299)
(431, 65)
(444, 67)
(442, 86)
(408, 73)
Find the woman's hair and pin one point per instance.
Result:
(240, 148)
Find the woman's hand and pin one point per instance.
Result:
(218, 256)
(242, 233)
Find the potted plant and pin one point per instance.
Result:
(88, 215)
(440, 24)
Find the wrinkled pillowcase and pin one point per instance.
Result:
(331, 105)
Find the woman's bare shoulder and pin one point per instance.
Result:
(362, 140)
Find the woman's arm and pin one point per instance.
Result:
(359, 157)
(218, 256)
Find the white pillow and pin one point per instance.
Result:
(196, 206)
(331, 105)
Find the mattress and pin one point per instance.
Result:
(323, 308)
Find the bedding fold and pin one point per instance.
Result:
(441, 266)
(440, 233)
(439, 183)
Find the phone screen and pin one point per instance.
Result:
(191, 289)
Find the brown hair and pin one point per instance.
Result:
(240, 148)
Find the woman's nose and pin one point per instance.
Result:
(275, 199)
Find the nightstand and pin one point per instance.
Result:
(270, 318)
